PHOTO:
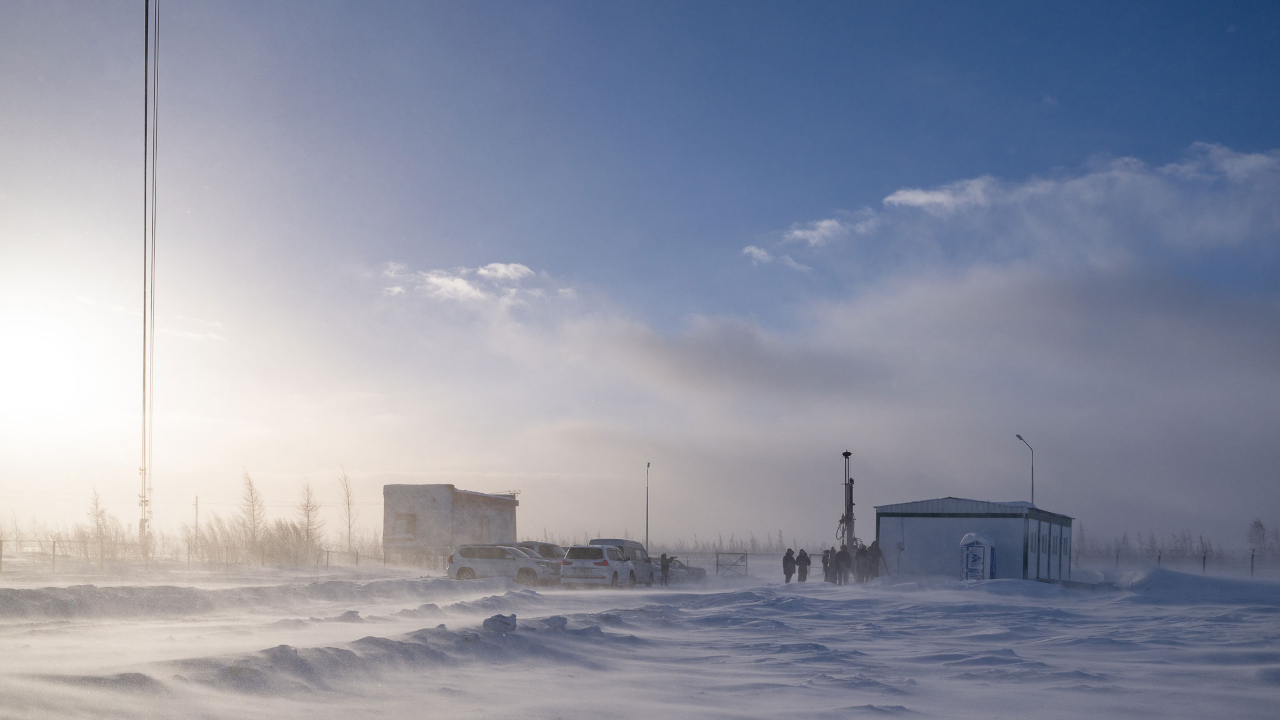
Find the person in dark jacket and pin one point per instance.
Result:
(832, 573)
(860, 564)
(802, 566)
(664, 563)
(789, 564)
(874, 559)
(844, 561)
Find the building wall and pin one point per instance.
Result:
(1050, 556)
(418, 517)
(931, 545)
(430, 520)
(483, 519)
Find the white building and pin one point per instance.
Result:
(425, 522)
(923, 538)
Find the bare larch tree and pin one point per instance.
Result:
(309, 517)
(347, 504)
(253, 513)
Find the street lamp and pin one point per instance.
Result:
(1033, 468)
(646, 506)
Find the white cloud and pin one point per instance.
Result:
(504, 271)
(789, 262)
(1118, 212)
(446, 286)
(946, 199)
(395, 270)
(757, 255)
(487, 288)
(818, 232)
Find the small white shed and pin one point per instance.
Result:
(425, 522)
(921, 538)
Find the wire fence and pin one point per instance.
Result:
(19, 555)
(1220, 564)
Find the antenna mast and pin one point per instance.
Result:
(150, 127)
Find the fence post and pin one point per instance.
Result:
(357, 554)
(53, 558)
(1204, 563)
(326, 559)
(1251, 552)
(1158, 559)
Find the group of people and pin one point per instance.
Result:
(797, 565)
(837, 565)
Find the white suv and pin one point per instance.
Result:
(468, 562)
(596, 565)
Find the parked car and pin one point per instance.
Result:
(554, 565)
(646, 570)
(596, 565)
(678, 571)
(468, 562)
(546, 551)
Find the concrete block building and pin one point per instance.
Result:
(924, 538)
(423, 523)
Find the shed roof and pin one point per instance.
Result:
(964, 506)
(501, 498)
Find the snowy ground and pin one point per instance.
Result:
(1169, 645)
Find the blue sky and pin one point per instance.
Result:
(750, 234)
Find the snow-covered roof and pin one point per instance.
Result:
(962, 506)
(503, 497)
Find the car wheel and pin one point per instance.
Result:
(614, 581)
(466, 574)
(631, 581)
(649, 582)
(525, 576)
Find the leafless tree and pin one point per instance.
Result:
(253, 513)
(347, 504)
(97, 522)
(1256, 535)
(309, 518)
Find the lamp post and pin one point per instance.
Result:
(646, 506)
(1033, 468)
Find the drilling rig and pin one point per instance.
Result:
(845, 532)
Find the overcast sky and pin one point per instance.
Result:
(533, 246)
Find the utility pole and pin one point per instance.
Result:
(150, 126)
(646, 506)
(847, 520)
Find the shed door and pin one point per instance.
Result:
(1055, 536)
